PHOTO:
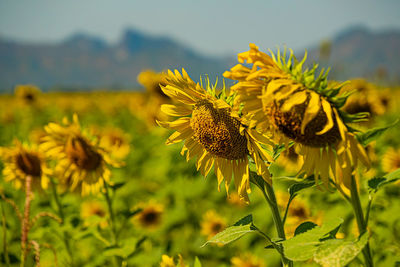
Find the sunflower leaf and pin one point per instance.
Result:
(232, 233)
(304, 227)
(197, 262)
(373, 134)
(337, 252)
(303, 246)
(376, 183)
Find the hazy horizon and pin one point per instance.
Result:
(213, 28)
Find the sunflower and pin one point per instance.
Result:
(391, 160)
(167, 261)
(24, 160)
(366, 98)
(115, 141)
(28, 93)
(212, 224)
(94, 212)
(295, 106)
(214, 132)
(151, 215)
(290, 160)
(81, 164)
(152, 81)
(247, 260)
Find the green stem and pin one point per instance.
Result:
(361, 223)
(25, 220)
(60, 212)
(269, 195)
(5, 247)
(112, 221)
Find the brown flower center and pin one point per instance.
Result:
(150, 217)
(217, 227)
(82, 154)
(29, 164)
(289, 123)
(217, 131)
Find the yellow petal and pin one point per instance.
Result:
(295, 99)
(328, 112)
(311, 111)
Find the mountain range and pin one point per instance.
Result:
(83, 61)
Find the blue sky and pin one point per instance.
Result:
(214, 27)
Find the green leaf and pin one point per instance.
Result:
(230, 234)
(303, 246)
(297, 187)
(377, 182)
(373, 134)
(338, 252)
(197, 262)
(304, 227)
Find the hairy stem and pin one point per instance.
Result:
(361, 223)
(25, 220)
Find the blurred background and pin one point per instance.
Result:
(102, 61)
(99, 43)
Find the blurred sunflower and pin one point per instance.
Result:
(295, 106)
(28, 93)
(247, 260)
(365, 98)
(81, 164)
(391, 160)
(152, 81)
(212, 224)
(24, 160)
(115, 141)
(151, 215)
(214, 132)
(167, 261)
(94, 212)
(290, 160)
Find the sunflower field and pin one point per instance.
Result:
(300, 171)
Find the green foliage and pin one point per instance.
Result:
(303, 246)
(376, 183)
(373, 134)
(230, 234)
(338, 252)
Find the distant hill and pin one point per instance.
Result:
(83, 61)
(359, 52)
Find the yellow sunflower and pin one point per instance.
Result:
(167, 261)
(152, 81)
(247, 260)
(391, 160)
(115, 141)
(212, 224)
(81, 164)
(297, 106)
(213, 132)
(28, 93)
(24, 160)
(94, 212)
(366, 98)
(151, 215)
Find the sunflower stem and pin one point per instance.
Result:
(60, 212)
(269, 195)
(5, 246)
(25, 221)
(361, 222)
(112, 220)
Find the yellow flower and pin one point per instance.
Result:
(290, 160)
(366, 98)
(167, 261)
(81, 164)
(247, 260)
(27, 93)
(297, 107)
(116, 142)
(212, 224)
(22, 161)
(391, 160)
(151, 81)
(213, 132)
(94, 212)
(151, 215)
